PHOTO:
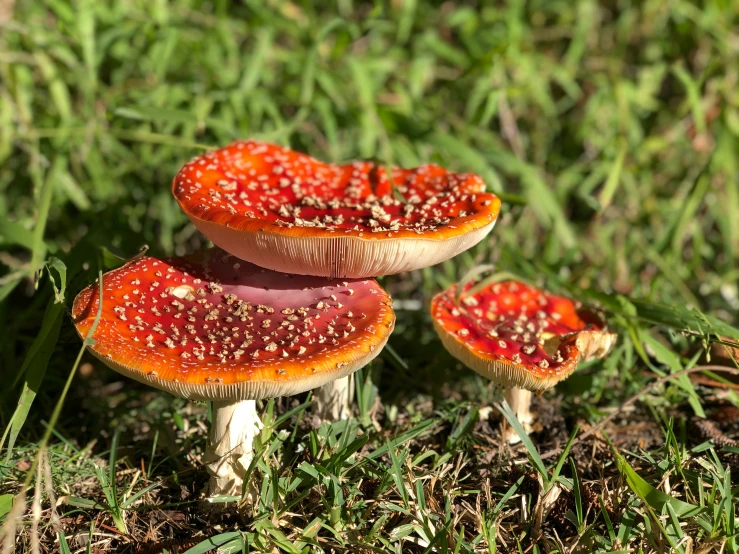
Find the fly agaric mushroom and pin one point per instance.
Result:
(518, 336)
(212, 327)
(286, 211)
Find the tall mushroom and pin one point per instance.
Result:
(212, 327)
(286, 211)
(518, 336)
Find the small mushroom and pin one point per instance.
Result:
(518, 336)
(286, 211)
(212, 327)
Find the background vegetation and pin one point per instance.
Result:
(611, 132)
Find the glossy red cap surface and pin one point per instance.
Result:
(210, 326)
(518, 335)
(289, 212)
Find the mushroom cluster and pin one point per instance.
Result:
(286, 302)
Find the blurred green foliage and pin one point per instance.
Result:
(615, 125)
(610, 129)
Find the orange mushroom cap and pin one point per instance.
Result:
(210, 326)
(517, 335)
(289, 212)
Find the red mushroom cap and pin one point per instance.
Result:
(210, 326)
(289, 212)
(517, 335)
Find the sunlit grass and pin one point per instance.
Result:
(610, 131)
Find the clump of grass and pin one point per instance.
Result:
(609, 131)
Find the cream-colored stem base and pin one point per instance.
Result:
(332, 401)
(231, 446)
(520, 402)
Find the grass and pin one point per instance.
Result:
(610, 130)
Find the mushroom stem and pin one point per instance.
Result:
(332, 401)
(520, 402)
(230, 447)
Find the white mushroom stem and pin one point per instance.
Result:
(230, 448)
(520, 402)
(332, 401)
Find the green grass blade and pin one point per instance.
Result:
(214, 542)
(6, 503)
(14, 233)
(63, 544)
(510, 416)
(651, 496)
(34, 370)
(396, 471)
(462, 429)
(565, 453)
(614, 177)
(44, 205)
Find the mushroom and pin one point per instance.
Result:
(332, 401)
(286, 211)
(215, 328)
(518, 336)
